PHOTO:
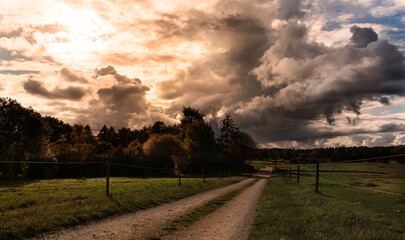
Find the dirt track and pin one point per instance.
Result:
(141, 224)
(232, 221)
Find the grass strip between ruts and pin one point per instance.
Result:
(190, 218)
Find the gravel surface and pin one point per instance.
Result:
(232, 221)
(141, 224)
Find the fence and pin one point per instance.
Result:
(289, 172)
(107, 165)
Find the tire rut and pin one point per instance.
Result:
(231, 221)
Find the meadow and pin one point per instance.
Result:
(358, 201)
(32, 207)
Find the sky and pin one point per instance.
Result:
(292, 73)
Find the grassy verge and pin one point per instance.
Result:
(188, 219)
(29, 208)
(291, 211)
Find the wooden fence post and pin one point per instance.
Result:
(290, 173)
(178, 173)
(107, 187)
(298, 174)
(202, 173)
(317, 176)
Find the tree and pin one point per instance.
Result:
(165, 151)
(236, 146)
(108, 135)
(23, 135)
(125, 136)
(60, 131)
(198, 138)
(191, 115)
(229, 131)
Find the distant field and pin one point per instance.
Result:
(28, 208)
(346, 207)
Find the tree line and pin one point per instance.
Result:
(27, 136)
(332, 154)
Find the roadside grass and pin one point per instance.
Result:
(190, 218)
(291, 211)
(29, 208)
(394, 181)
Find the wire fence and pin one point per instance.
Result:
(108, 167)
(291, 173)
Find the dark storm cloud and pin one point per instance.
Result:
(70, 76)
(127, 96)
(384, 100)
(120, 105)
(302, 131)
(70, 93)
(392, 127)
(124, 99)
(110, 70)
(362, 36)
(290, 9)
(277, 81)
(314, 80)
(224, 77)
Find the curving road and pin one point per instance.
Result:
(141, 224)
(232, 221)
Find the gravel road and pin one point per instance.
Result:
(232, 221)
(141, 224)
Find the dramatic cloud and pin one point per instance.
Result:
(70, 93)
(363, 36)
(110, 70)
(312, 80)
(223, 77)
(293, 73)
(70, 76)
(121, 105)
(277, 81)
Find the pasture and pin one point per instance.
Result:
(346, 207)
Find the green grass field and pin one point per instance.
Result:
(345, 208)
(29, 208)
